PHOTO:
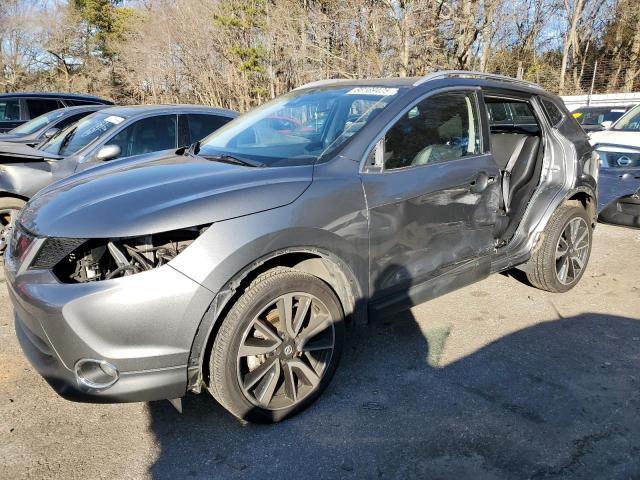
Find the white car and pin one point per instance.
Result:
(619, 150)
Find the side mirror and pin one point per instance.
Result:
(51, 132)
(596, 128)
(108, 152)
(606, 124)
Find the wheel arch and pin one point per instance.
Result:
(584, 197)
(316, 261)
(9, 194)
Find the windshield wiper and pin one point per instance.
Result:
(247, 162)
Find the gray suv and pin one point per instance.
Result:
(233, 266)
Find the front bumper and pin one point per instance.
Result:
(143, 324)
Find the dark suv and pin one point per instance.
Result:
(234, 265)
(17, 108)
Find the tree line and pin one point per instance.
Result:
(238, 53)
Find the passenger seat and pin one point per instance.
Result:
(515, 154)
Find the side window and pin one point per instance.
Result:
(523, 114)
(9, 109)
(552, 111)
(511, 116)
(499, 114)
(147, 135)
(40, 106)
(201, 125)
(438, 129)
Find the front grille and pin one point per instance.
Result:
(55, 250)
(619, 159)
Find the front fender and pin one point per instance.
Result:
(23, 180)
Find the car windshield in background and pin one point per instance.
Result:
(597, 116)
(37, 123)
(77, 136)
(299, 128)
(630, 122)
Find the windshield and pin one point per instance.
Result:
(300, 127)
(79, 135)
(596, 117)
(37, 123)
(630, 121)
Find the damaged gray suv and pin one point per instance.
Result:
(234, 265)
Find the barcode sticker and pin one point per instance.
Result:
(377, 91)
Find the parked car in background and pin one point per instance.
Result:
(233, 266)
(45, 126)
(619, 151)
(108, 134)
(18, 108)
(593, 119)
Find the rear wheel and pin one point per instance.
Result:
(278, 347)
(9, 208)
(560, 261)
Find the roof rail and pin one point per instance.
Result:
(471, 74)
(320, 83)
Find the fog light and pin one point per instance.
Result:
(96, 374)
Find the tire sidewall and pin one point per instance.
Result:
(241, 318)
(562, 222)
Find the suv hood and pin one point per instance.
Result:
(153, 194)
(16, 153)
(616, 137)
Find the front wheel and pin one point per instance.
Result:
(9, 208)
(560, 261)
(278, 347)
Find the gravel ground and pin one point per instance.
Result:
(497, 380)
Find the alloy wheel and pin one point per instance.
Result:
(7, 217)
(285, 351)
(572, 250)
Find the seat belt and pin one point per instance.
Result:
(506, 175)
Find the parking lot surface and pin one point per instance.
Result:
(497, 380)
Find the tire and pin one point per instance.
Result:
(261, 370)
(548, 269)
(9, 206)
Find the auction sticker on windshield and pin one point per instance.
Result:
(377, 91)
(114, 119)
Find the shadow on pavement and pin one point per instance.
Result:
(559, 399)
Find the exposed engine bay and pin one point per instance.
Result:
(97, 260)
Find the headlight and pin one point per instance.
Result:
(74, 260)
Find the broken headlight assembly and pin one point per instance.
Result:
(75, 260)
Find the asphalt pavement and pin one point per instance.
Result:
(495, 381)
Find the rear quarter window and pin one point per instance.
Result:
(552, 111)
